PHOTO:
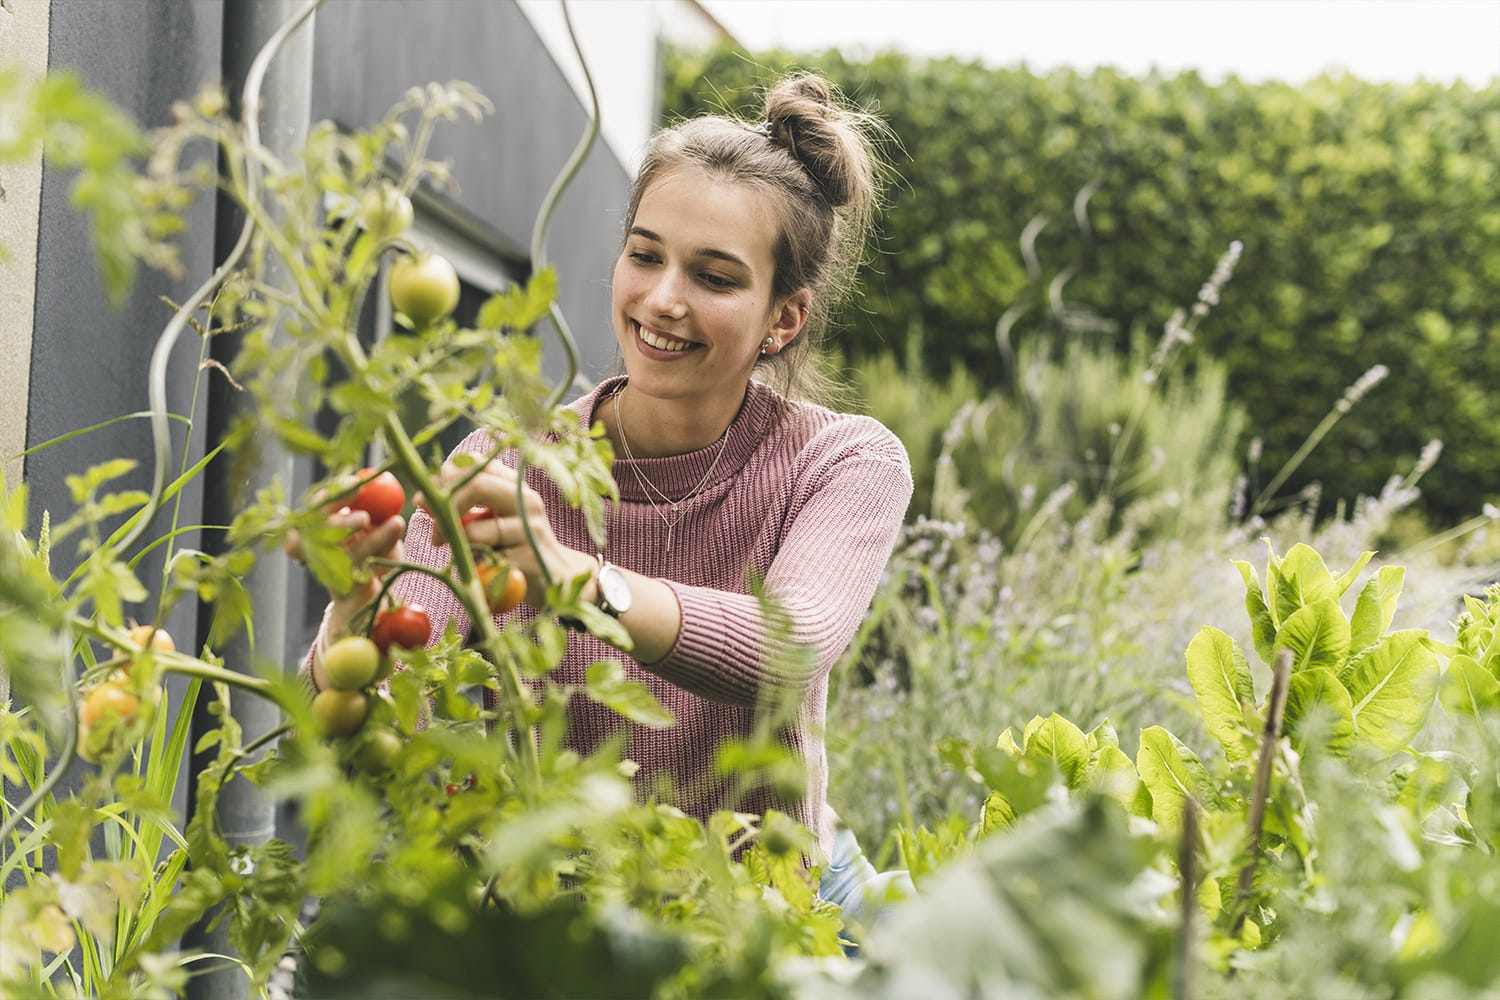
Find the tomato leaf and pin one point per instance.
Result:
(608, 685)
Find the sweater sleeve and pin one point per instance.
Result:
(844, 522)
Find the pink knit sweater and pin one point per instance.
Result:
(808, 500)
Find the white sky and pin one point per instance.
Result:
(1291, 40)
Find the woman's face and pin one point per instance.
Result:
(692, 289)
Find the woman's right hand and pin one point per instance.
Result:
(365, 542)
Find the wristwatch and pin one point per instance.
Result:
(614, 589)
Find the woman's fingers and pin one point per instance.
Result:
(354, 521)
(488, 501)
(381, 541)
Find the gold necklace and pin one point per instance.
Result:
(649, 488)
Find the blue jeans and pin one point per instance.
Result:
(861, 892)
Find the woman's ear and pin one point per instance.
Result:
(789, 318)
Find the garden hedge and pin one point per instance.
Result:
(1369, 215)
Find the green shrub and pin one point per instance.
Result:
(1369, 215)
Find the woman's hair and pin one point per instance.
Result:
(814, 158)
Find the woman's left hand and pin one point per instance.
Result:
(498, 526)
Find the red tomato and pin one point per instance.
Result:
(405, 626)
(382, 497)
(504, 587)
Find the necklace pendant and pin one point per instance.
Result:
(670, 528)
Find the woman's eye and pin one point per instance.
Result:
(717, 281)
(642, 257)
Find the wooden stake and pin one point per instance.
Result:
(1281, 675)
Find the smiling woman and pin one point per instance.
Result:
(739, 238)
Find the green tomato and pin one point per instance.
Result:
(340, 713)
(351, 663)
(377, 751)
(424, 288)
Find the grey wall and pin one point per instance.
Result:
(368, 52)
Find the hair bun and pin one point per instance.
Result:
(804, 116)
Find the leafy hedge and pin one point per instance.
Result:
(1369, 214)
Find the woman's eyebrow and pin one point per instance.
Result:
(723, 255)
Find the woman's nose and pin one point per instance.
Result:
(666, 296)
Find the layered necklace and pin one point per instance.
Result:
(649, 488)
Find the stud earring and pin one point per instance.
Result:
(765, 347)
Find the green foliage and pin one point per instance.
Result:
(1368, 212)
(1053, 910)
(1358, 834)
(437, 823)
(1077, 428)
(134, 214)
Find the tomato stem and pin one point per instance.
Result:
(471, 592)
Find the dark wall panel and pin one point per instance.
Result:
(369, 52)
(89, 360)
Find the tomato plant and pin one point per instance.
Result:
(381, 496)
(405, 626)
(424, 288)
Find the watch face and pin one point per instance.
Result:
(614, 590)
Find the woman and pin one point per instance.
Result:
(739, 237)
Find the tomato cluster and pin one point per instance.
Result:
(355, 663)
(115, 702)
